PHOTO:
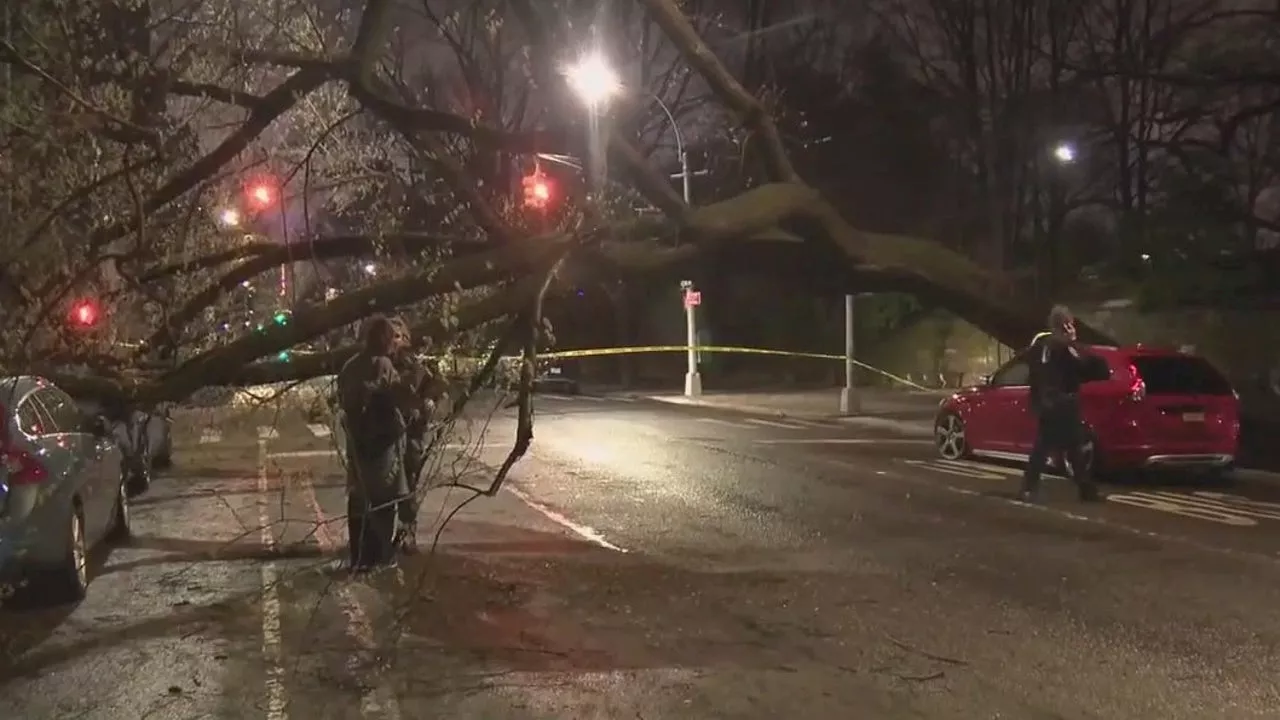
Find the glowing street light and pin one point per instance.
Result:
(229, 217)
(1064, 153)
(593, 80)
(370, 269)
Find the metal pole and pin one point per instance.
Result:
(692, 380)
(684, 176)
(849, 401)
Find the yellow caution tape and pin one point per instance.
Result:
(603, 352)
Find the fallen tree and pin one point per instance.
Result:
(498, 260)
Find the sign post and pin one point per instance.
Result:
(692, 299)
(849, 401)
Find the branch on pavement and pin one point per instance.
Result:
(524, 416)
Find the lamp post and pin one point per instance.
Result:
(595, 83)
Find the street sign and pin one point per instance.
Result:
(693, 298)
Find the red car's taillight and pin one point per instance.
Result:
(1137, 387)
(22, 467)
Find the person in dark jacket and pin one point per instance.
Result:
(417, 425)
(1058, 365)
(371, 395)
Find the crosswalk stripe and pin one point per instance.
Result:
(266, 432)
(320, 431)
(209, 436)
(775, 423)
(981, 467)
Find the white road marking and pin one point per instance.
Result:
(961, 471)
(842, 441)
(726, 423)
(267, 432)
(1182, 505)
(582, 531)
(320, 431)
(1092, 520)
(775, 423)
(1222, 508)
(379, 700)
(209, 436)
(271, 637)
(304, 453)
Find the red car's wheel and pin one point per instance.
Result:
(949, 436)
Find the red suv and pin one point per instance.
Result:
(1152, 409)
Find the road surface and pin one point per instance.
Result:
(657, 561)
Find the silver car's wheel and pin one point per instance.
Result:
(69, 581)
(949, 437)
(121, 527)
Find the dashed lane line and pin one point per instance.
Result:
(272, 648)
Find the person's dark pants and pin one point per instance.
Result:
(409, 505)
(1060, 430)
(371, 531)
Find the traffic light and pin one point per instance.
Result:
(537, 190)
(283, 356)
(261, 194)
(281, 317)
(85, 313)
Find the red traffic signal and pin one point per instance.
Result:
(537, 191)
(261, 195)
(85, 313)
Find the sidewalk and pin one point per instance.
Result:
(905, 412)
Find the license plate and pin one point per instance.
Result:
(1193, 417)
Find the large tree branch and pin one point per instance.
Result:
(501, 303)
(260, 259)
(311, 321)
(751, 111)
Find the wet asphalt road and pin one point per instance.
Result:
(655, 561)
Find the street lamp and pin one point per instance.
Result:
(1064, 153)
(230, 217)
(592, 80)
(595, 83)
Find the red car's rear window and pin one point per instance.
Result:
(1180, 375)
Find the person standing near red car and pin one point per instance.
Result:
(1058, 366)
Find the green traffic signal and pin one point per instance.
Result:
(283, 356)
(281, 318)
